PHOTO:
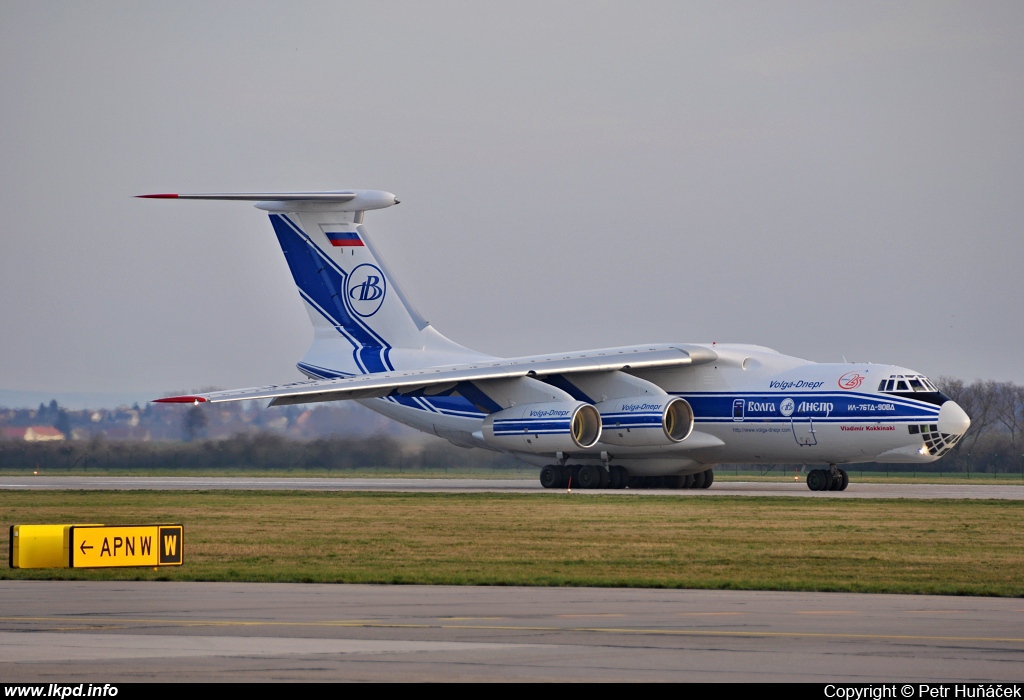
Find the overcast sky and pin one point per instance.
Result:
(827, 179)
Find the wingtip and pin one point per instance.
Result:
(156, 196)
(180, 399)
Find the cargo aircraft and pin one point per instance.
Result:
(636, 416)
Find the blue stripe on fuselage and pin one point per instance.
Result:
(452, 405)
(478, 398)
(821, 406)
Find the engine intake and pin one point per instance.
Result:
(544, 427)
(645, 421)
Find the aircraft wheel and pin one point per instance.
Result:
(573, 472)
(633, 482)
(589, 477)
(837, 483)
(614, 479)
(563, 476)
(623, 477)
(698, 480)
(709, 478)
(816, 480)
(550, 477)
(828, 480)
(674, 481)
(845, 480)
(688, 481)
(606, 478)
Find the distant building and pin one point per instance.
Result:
(34, 433)
(42, 433)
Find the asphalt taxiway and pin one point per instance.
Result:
(719, 488)
(109, 632)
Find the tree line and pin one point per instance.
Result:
(260, 451)
(995, 440)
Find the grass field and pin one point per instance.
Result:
(552, 538)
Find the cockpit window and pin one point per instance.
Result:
(912, 386)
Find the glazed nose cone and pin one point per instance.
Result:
(953, 420)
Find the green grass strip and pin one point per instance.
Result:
(558, 539)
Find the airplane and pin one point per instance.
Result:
(640, 416)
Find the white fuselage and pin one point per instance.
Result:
(753, 405)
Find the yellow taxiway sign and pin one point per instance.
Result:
(94, 546)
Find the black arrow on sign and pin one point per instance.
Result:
(83, 547)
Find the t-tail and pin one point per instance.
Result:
(362, 321)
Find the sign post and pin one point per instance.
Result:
(38, 547)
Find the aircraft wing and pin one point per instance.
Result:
(437, 380)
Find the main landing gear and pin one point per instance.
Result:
(594, 476)
(583, 476)
(830, 479)
(700, 480)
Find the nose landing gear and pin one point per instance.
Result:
(831, 479)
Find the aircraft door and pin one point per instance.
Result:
(804, 432)
(737, 409)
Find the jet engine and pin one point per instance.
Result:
(645, 421)
(544, 427)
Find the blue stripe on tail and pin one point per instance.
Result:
(321, 282)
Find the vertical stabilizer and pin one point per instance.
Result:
(362, 320)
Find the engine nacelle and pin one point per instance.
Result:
(544, 427)
(645, 421)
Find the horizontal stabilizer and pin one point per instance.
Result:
(262, 196)
(383, 383)
(340, 200)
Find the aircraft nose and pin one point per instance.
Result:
(953, 420)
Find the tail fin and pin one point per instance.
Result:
(361, 319)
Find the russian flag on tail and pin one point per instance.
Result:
(344, 238)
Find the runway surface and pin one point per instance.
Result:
(720, 488)
(108, 632)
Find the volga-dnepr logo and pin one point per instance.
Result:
(851, 380)
(366, 289)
